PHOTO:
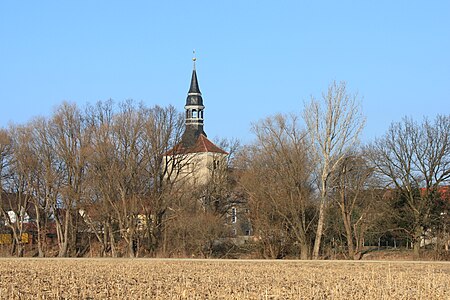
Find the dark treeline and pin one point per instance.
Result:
(96, 181)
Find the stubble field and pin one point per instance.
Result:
(220, 279)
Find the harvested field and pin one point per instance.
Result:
(220, 279)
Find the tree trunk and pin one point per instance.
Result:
(39, 233)
(132, 246)
(348, 231)
(319, 232)
(13, 247)
(304, 251)
(417, 240)
(63, 235)
(112, 241)
(63, 249)
(17, 246)
(20, 250)
(104, 241)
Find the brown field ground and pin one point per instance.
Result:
(221, 279)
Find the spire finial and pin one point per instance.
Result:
(194, 58)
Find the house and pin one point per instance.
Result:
(16, 213)
(439, 234)
(436, 230)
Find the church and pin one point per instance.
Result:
(202, 165)
(195, 159)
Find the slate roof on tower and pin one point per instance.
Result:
(194, 139)
(194, 95)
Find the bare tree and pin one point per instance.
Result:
(97, 211)
(128, 173)
(277, 179)
(192, 230)
(13, 197)
(6, 151)
(415, 161)
(162, 132)
(356, 198)
(45, 175)
(217, 194)
(5, 157)
(334, 125)
(72, 147)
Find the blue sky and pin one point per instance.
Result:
(254, 58)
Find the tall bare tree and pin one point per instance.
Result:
(101, 190)
(6, 151)
(334, 124)
(13, 197)
(45, 175)
(126, 172)
(72, 147)
(278, 181)
(356, 199)
(218, 193)
(21, 188)
(415, 161)
(162, 131)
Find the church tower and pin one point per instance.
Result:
(194, 112)
(196, 158)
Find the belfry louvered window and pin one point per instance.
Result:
(233, 215)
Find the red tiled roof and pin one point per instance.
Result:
(444, 192)
(202, 145)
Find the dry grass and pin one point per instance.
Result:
(214, 279)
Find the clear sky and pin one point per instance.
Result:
(254, 58)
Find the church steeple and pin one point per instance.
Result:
(194, 95)
(194, 111)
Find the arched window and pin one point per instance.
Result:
(194, 113)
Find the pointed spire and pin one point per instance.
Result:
(194, 95)
(194, 111)
(194, 89)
